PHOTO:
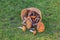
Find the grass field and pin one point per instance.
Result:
(10, 19)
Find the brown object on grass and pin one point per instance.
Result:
(23, 28)
(28, 23)
(25, 11)
(40, 25)
(34, 32)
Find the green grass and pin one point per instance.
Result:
(10, 19)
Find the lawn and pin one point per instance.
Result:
(10, 19)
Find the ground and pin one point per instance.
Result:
(10, 19)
